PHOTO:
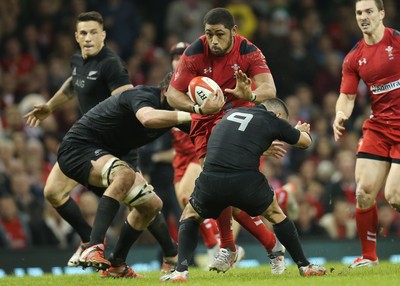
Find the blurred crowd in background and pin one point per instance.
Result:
(304, 42)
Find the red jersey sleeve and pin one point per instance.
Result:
(350, 77)
(183, 74)
(257, 63)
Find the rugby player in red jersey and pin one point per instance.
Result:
(241, 71)
(375, 59)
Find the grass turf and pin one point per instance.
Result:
(337, 274)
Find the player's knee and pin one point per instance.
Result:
(47, 192)
(364, 197)
(394, 200)
(183, 200)
(274, 213)
(156, 203)
(149, 208)
(53, 194)
(143, 194)
(50, 195)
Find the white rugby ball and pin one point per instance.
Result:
(200, 88)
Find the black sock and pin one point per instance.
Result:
(127, 237)
(159, 229)
(287, 234)
(106, 211)
(188, 236)
(71, 213)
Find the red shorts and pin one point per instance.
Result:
(201, 129)
(184, 154)
(282, 197)
(379, 140)
(202, 125)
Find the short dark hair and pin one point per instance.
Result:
(164, 86)
(91, 16)
(378, 3)
(219, 16)
(276, 105)
(165, 82)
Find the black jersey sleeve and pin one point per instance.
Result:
(287, 132)
(115, 73)
(144, 96)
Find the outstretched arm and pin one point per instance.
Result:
(156, 118)
(42, 111)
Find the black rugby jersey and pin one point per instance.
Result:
(96, 77)
(112, 124)
(241, 137)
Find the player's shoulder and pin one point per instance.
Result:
(354, 52)
(196, 48)
(155, 90)
(108, 57)
(109, 60)
(355, 48)
(394, 35)
(106, 52)
(144, 93)
(265, 114)
(76, 57)
(245, 46)
(393, 32)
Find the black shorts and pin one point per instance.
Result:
(215, 191)
(75, 157)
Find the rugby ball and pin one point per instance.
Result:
(200, 88)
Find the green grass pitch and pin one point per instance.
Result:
(337, 274)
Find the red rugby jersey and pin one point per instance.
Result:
(199, 61)
(378, 66)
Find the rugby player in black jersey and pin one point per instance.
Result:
(97, 73)
(90, 154)
(231, 177)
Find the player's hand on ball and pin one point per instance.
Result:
(213, 103)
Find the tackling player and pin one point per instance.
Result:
(90, 155)
(231, 177)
